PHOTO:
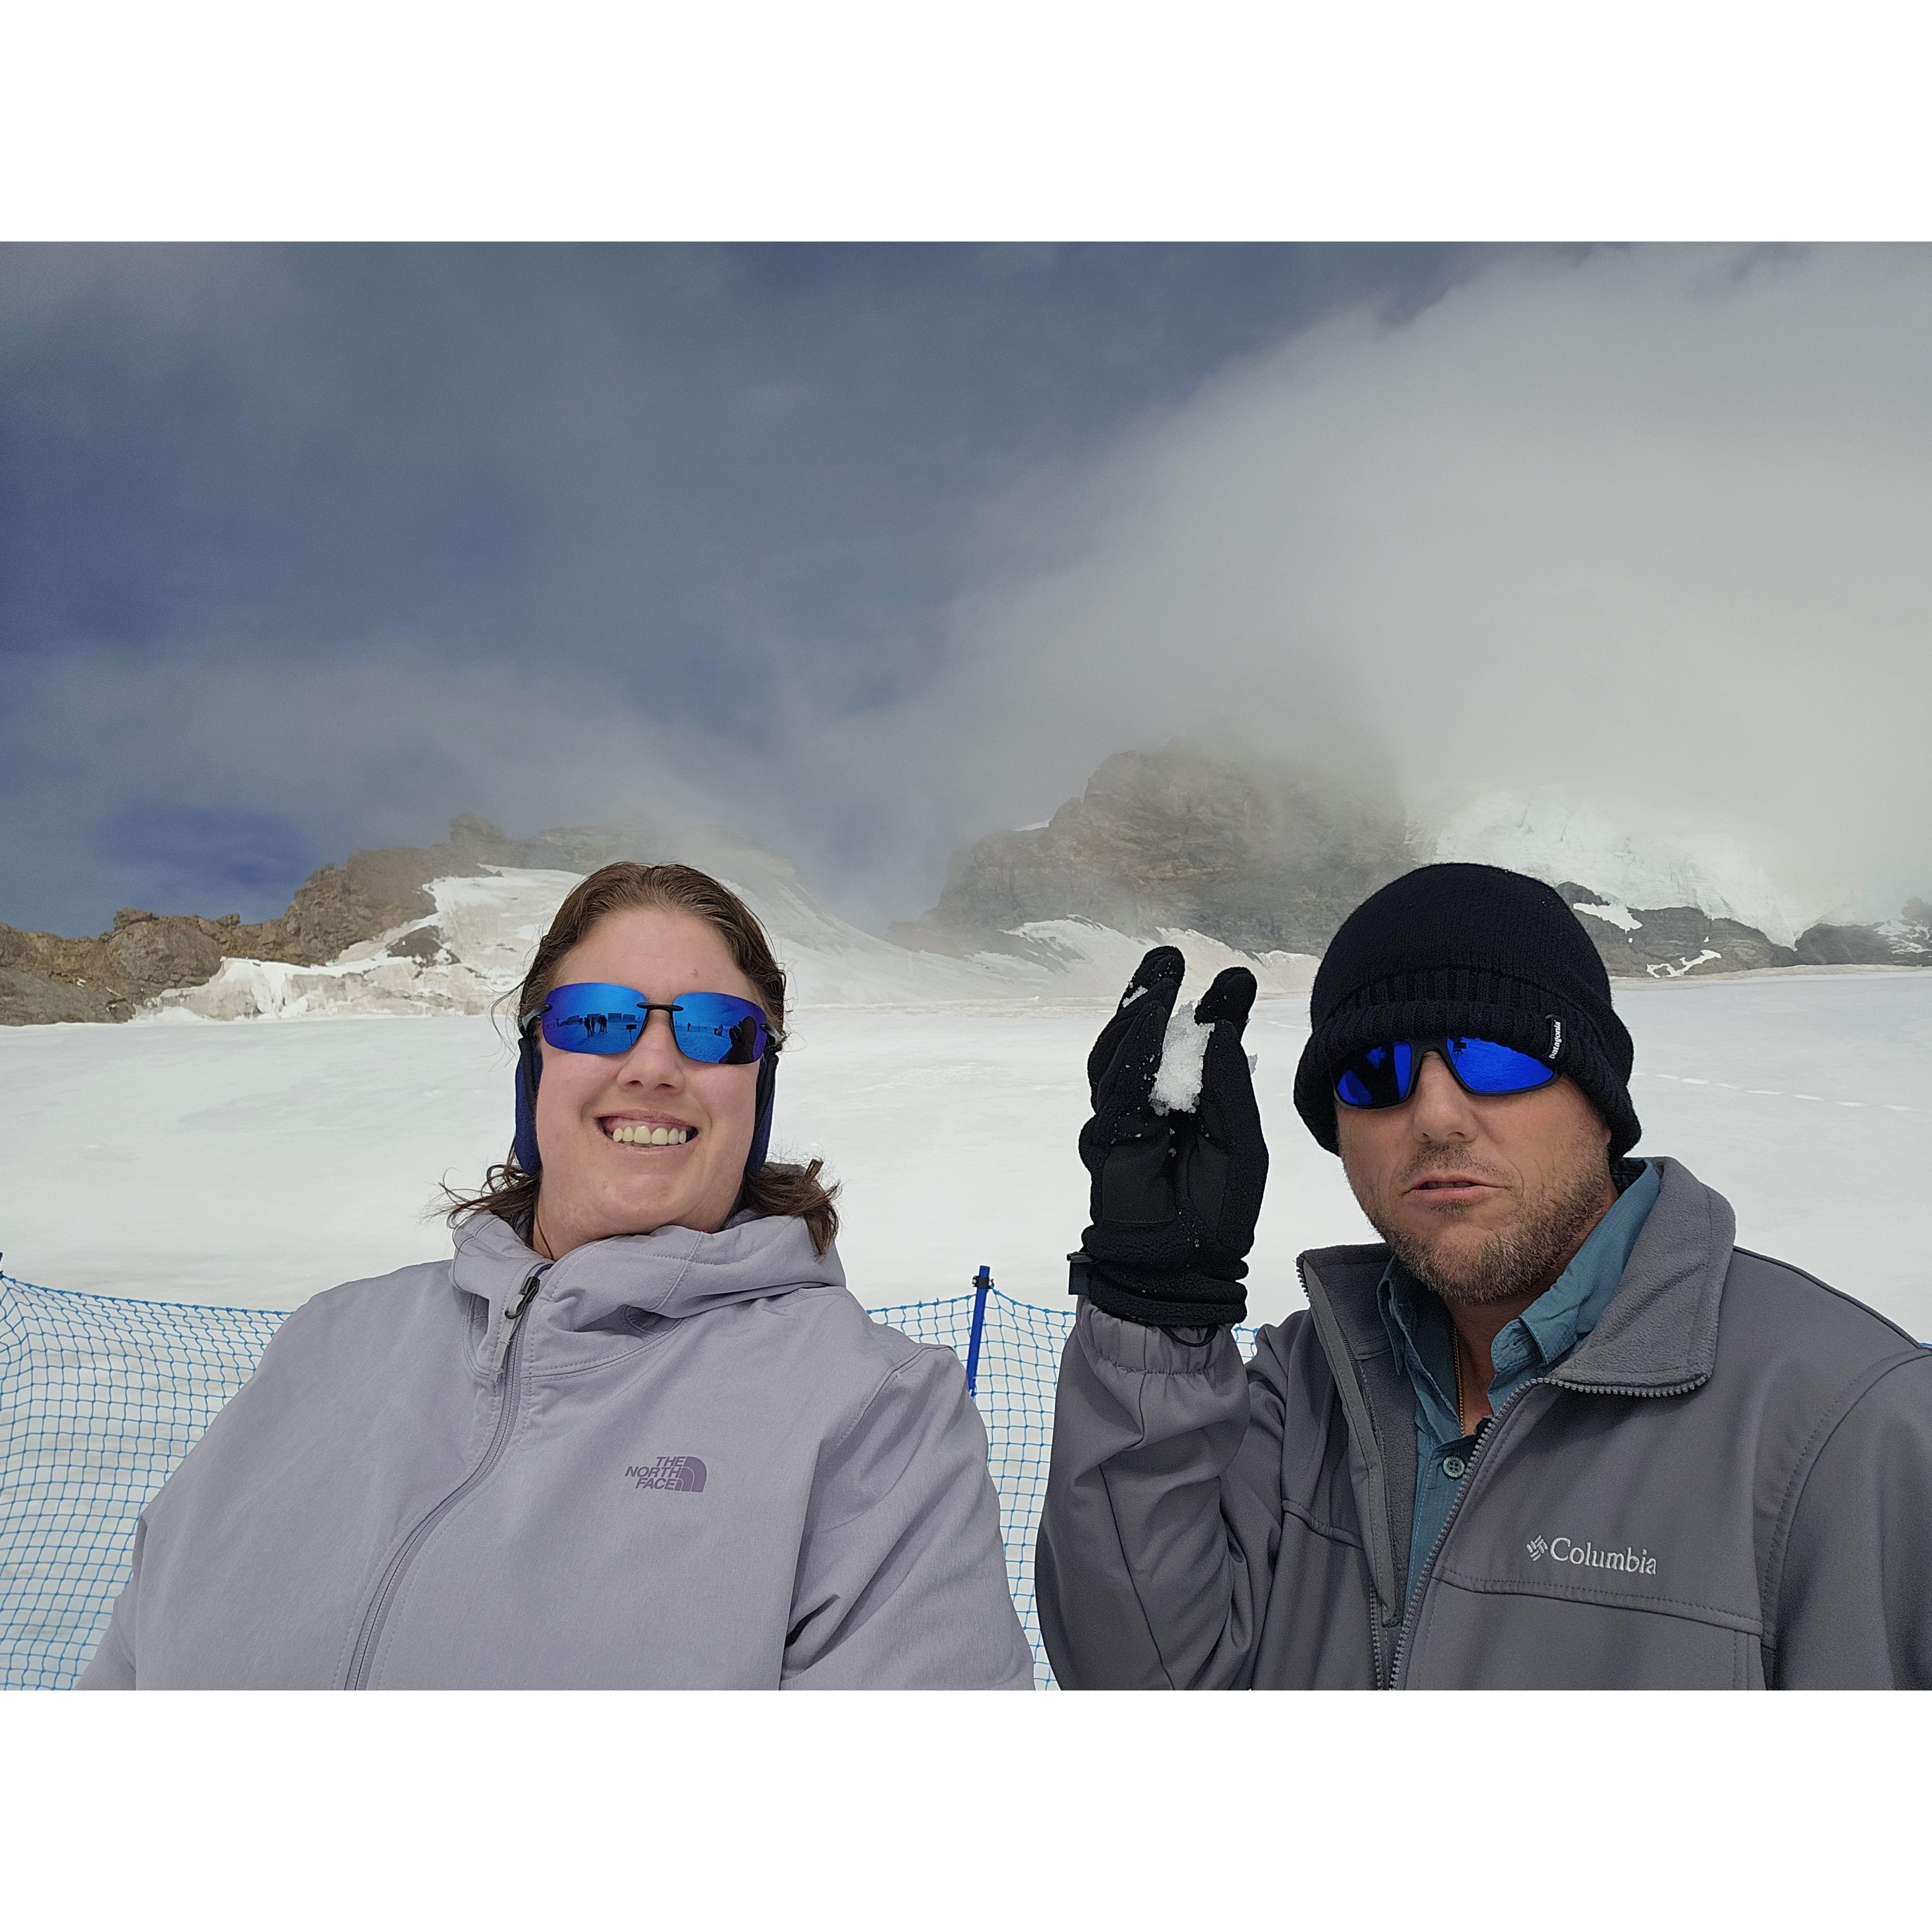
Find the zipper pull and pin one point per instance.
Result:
(511, 1316)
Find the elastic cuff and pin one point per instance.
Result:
(1162, 1308)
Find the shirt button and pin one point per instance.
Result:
(1453, 1466)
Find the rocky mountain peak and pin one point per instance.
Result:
(1189, 835)
(44, 977)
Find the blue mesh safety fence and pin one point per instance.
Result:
(100, 1397)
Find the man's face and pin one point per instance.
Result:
(1483, 1197)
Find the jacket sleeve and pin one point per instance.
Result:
(112, 1666)
(902, 1578)
(1162, 1520)
(1854, 1605)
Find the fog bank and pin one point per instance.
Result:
(1643, 534)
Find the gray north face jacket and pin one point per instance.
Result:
(1729, 1483)
(692, 1460)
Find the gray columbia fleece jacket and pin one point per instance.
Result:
(1728, 1483)
(694, 1460)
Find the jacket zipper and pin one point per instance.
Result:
(1419, 1584)
(508, 1350)
(1368, 1560)
(512, 1323)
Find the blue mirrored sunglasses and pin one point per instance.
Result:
(1385, 1075)
(718, 1028)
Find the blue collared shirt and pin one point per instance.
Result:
(1532, 1345)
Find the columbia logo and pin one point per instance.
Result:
(1585, 1555)
(668, 1472)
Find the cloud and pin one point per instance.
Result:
(265, 767)
(541, 527)
(869, 552)
(1644, 531)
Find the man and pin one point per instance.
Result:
(1556, 1430)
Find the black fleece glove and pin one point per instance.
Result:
(1175, 1196)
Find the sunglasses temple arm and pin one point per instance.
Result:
(529, 1067)
(761, 1131)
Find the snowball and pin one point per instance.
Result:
(1177, 1084)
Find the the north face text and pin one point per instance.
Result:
(668, 1472)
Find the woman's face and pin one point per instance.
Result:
(593, 1185)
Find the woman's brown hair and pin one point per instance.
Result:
(777, 1187)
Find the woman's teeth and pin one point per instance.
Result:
(643, 1136)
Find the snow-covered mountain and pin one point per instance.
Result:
(1237, 865)
(1268, 858)
(1558, 840)
(471, 951)
(1261, 856)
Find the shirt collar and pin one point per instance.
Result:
(1418, 1331)
(1546, 1331)
(1573, 1305)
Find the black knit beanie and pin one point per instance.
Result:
(1467, 950)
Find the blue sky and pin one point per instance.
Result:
(730, 491)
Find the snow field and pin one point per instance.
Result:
(258, 1162)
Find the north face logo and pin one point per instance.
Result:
(668, 1472)
(1537, 1549)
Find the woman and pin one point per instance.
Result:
(636, 1433)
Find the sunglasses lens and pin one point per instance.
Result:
(1353, 1089)
(1484, 1067)
(1380, 1076)
(593, 1019)
(718, 1028)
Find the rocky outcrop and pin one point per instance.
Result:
(338, 906)
(28, 998)
(1899, 942)
(1669, 942)
(149, 953)
(1185, 837)
(45, 978)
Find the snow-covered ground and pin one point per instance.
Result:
(258, 1162)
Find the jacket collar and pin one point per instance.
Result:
(673, 1273)
(1660, 1332)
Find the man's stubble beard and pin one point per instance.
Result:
(1514, 1260)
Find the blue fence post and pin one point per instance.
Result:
(981, 1281)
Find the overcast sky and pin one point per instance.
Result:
(868, 551)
